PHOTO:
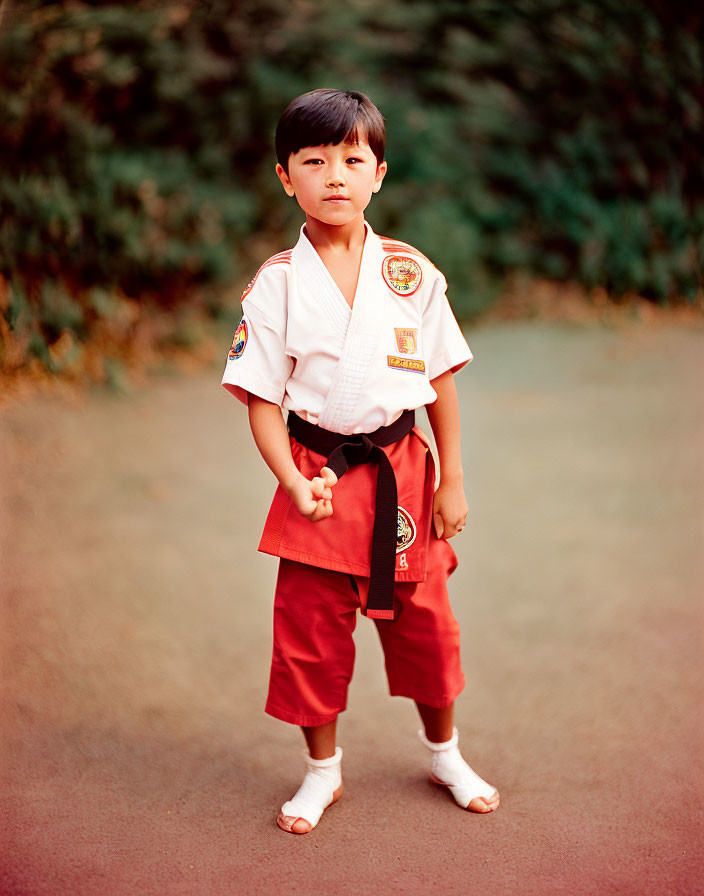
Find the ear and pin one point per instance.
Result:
(285, 180)
(381, 169)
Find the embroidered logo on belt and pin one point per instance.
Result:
(402, 273)
(405, 340)
(239, 341)
(405, 530)
(406, 363)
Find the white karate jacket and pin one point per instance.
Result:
(349, 370)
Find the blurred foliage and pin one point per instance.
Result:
(559, 139)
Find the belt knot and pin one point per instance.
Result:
(346, 451)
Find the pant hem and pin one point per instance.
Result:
(438, 701)
(294, 718)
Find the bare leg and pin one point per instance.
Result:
(321, 740)
(438, 723)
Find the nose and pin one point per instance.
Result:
(336, 177)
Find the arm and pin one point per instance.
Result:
(449, 503)
(312, 497)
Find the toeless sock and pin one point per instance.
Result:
(323, 777)
(450, 769)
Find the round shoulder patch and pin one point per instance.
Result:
(239, 341)
(405, 530)
(402, 273)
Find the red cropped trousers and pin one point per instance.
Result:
(315, 614)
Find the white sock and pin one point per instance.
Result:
(449, 768)
(323, 778)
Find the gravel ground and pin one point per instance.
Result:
(136, 757)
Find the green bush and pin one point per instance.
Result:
(561, 140)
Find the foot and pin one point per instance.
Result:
(321, 787)
(450, 770)
(463, 798)
(297, 824)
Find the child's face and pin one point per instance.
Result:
(333, 184)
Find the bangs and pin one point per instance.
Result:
(329, 124)
(324, 117)
(352, 136)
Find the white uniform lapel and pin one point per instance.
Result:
(320, 284)
(360, 343)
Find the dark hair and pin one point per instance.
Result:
(327, 116)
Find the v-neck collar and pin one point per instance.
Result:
(318, 261)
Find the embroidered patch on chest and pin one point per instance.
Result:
(405, 340)
(239, 341)
(402, 273)
(405, 530)
(414, 364)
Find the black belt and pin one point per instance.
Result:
(366, 448)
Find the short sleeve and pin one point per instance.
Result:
(257, 361)
(444, 346)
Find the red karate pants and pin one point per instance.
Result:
(315, 613)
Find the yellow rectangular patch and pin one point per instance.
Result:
(406, 363)
(406, 340)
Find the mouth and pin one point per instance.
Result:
(336, 199)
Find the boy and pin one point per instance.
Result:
(350, 333)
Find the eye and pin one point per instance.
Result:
(313, 162)
(354, 159)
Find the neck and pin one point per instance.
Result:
(330, 236)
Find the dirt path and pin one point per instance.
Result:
(136, 634)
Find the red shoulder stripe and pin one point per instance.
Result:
(389, 245)
(401, 247)
(280, 258)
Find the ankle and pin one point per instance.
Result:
(325, 761)
(440, 746)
